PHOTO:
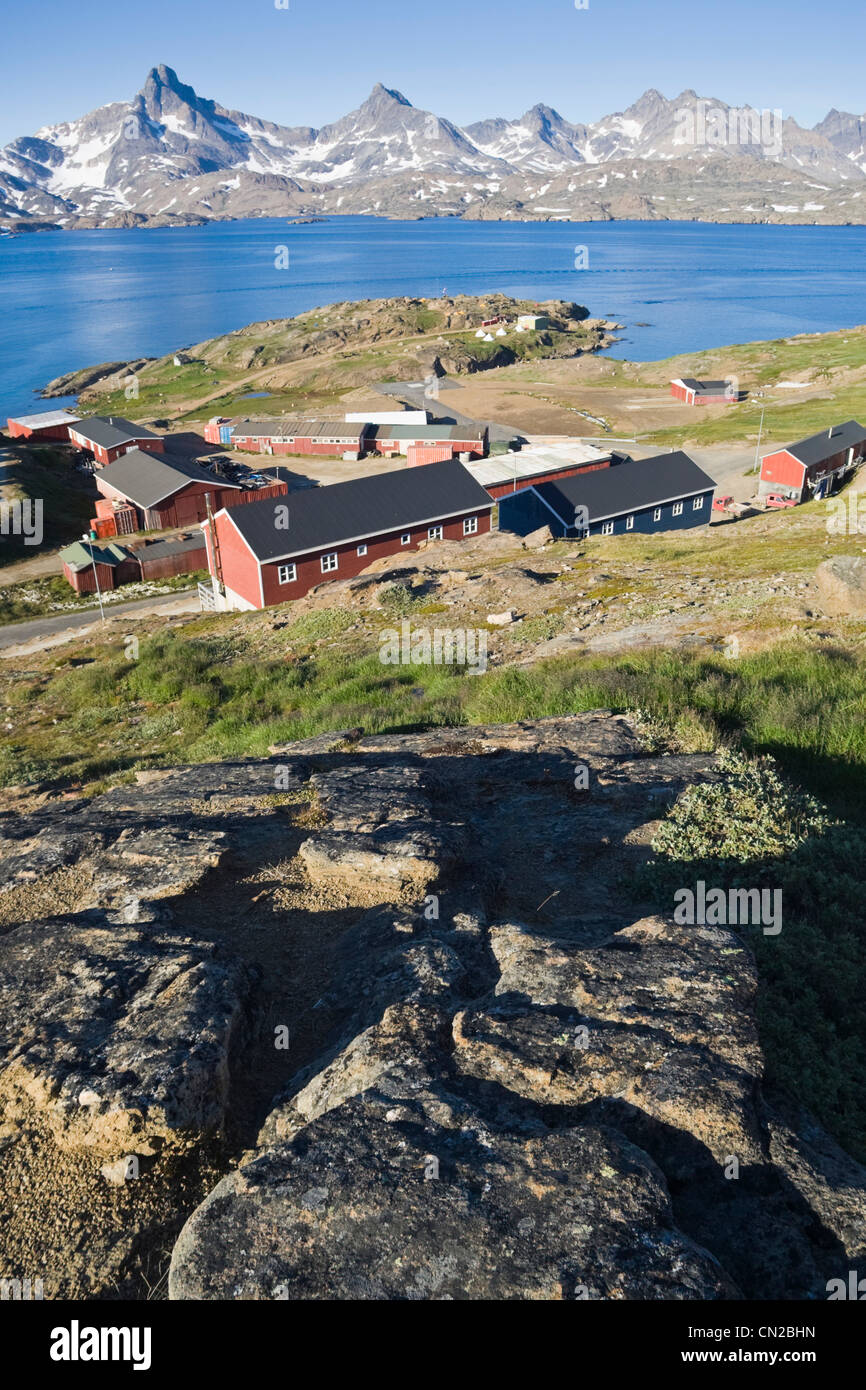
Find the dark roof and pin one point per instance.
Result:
(629, 487)
(147, 479)
(824, 445)
(705, 388)
(427, 433)
(160, 550)
(110, 430)
(344, 512)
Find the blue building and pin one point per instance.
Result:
(668, 492)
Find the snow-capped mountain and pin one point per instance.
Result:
(171, 156)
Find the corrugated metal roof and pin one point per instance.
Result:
(81, 554)
(296, 429)
(344, 512)
(44, 420)
(529, 463)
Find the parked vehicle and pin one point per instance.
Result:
(775, 500)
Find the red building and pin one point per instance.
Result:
(271, 551)
(47, 425)
(328, 437)
(813, 467)
(88, 567)
(119, 564)
(693, 392)
(109, 437)
(165, 491)
(399, 439)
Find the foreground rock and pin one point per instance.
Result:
(379, 1201)
(381, 1018)
(120, 1036)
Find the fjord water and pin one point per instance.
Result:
(71, 299)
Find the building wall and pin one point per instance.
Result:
(163, 567)
(384, 445)
(419, 454)
(83, 581)
(105, 456)
(350, 563)
(302, 444)
(522, 512)
(50, 432)
(783, 472)
(240, 569)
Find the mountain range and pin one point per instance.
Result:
(171, 157)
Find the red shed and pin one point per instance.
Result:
(814, 466)
(114, 565)
(48, 425)
(693, 392)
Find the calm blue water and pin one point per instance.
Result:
(69, 299)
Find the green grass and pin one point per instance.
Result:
(802, 704)
(754, 829)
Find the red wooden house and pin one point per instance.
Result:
(268, 552)
(164, 490)
(109, 437)
(814, 466)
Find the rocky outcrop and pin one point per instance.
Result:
(392, 1024)
(121, 1036)
(842, 586)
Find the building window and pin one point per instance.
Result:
(287, 574)
(657, 514)
(406, 538)
(607, 528)
(629, 523)
(470, 525)
(329, 562)
(434, 533)
(362, 550)
(697, 504)
(677, 509)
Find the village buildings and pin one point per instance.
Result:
(267, 552)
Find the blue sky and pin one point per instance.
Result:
(465, 59)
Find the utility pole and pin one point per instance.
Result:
(88, 541)
(760, 432)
